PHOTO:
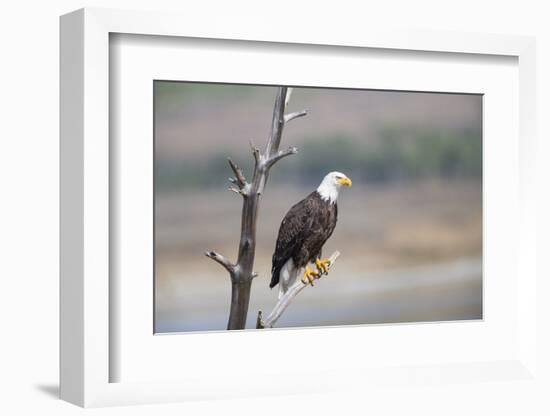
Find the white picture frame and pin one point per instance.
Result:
(87, 355)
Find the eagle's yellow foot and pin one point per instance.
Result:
(309, 276)
(322, 265)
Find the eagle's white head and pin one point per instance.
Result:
(331, 184)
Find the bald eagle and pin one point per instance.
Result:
(303, 232)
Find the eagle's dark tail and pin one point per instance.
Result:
(275, 272)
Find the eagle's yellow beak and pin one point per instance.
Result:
(344, 181)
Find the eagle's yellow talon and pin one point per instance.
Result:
(322, 265)
(309, 276)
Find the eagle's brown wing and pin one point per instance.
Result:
(292, 232)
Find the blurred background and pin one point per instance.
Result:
(410, 229)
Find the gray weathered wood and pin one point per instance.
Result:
(241, 272)
(285, 300)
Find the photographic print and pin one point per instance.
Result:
(280, 207)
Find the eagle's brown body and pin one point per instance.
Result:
(303, 232)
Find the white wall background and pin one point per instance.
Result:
(29, 206)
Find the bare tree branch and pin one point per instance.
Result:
(277, 123)
(297, 114)
(239, 176)
(281, 154)
(283, 303)
(221, 260)
(237, 191)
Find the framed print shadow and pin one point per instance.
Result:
(227, 198)
(409, 231)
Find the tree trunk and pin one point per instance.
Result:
(240, 297)
(241, 272)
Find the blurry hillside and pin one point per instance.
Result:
(375, 136)
(409, 230)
